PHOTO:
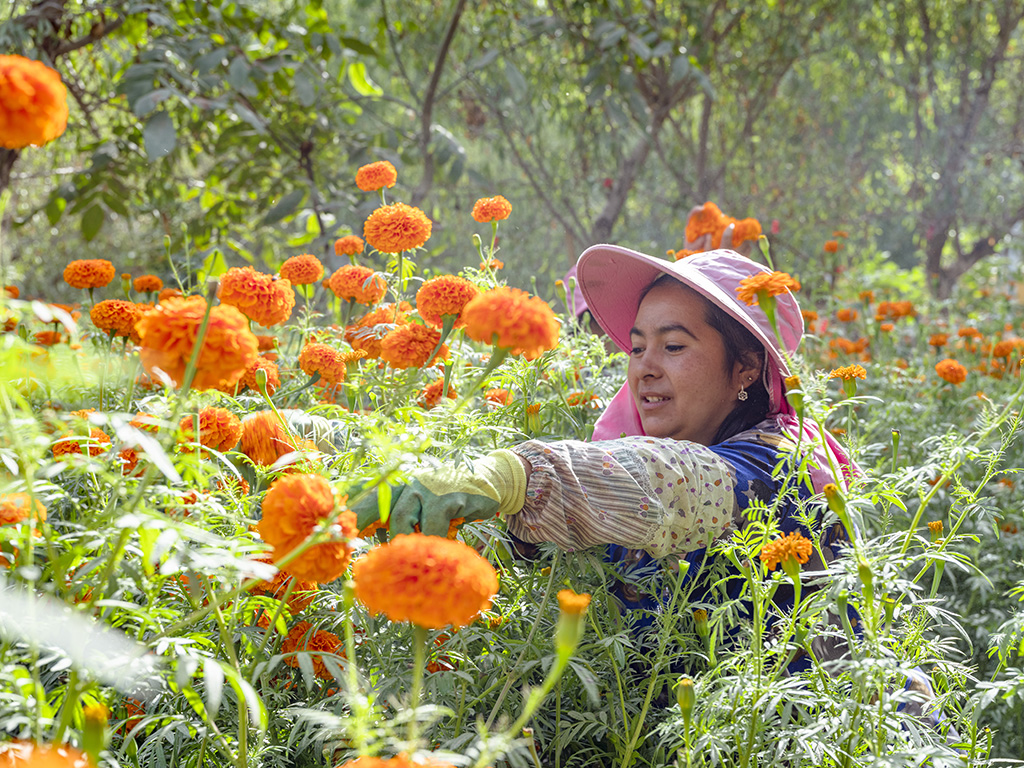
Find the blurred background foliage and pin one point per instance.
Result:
(242, 125)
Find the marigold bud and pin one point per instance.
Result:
(686, 697)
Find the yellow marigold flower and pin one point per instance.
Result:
(359, 284)
(219, 429)
(495, 208)
(304, 637)
(431, 394)
(16, 507)
(792, 382)
(25, 754)
(269, 367)
(97, 443)
(304, 269)
(770, 283)
(831, 246)
(411, 345)
(571, 603)
(951, 371)
(397, 227)
(302, 590)
(374, 176)
(707, 221)
(512, 319)
(261, 298)
(89, 273)
(148, 284)
(938, 339)
(167, 336)
(118, 316)
(293, 508)
(33, 103)
(444, 295)
(935, 527)
(265, 440)
(350, 245)
(794, 546)
(324, 360)
(848, 372)
(431, 581)
(846, 315)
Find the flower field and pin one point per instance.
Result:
(187, 582)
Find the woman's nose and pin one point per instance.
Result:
(648, 364)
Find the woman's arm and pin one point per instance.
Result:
(661, 495)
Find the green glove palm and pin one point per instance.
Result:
(433, 498)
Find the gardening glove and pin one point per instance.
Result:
(433, 498)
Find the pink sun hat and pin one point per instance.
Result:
(614, 278)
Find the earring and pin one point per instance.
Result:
(742, 394)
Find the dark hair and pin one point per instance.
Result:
(741, 346)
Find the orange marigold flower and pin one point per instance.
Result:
(431, 394)
(846, 315)
(840, 233)
(366, 334)
(168, 293)
(167, 336)
(707, 221)
(96, 442)
(260, 297)
(294, 507)
(324, 360)
(304, 269)
(444, 295)
(25, 754)
(265, 343)
(16, 507)
(304, 637)
(302, 590)
(1006, 347)
(47, 338)
(492, 264)
(935, 527)
(831, 246)
(269, 367)
(129, 460)
(951, 371)
(89, 273)
(374, 176)
(265, 440)
(33, 103)
(682, 253)
(498, 396)
(886, 327)
(868, 297)
(148, 284)
(350, 245)
(581, 398)
(411, 345)
(848, 373)
(117, 316)
(768, 283)
(794, 546)
(12, 291)
(809, 315)
(397, 227)
(401, 760)
(512, 319)
(571, 603)
(359, 284)
(219, 429)
(969, 332)
(431, 581)
(938, 339)
(495, 208)
(745, 229)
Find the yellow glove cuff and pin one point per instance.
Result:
(505, 472)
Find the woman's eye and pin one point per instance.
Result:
(675, 347)
(636, 350)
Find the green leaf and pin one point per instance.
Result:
(92, 221)
(515, 80)
(213, 677)
(55, 209)
(304, 90)
(363, 85)
(285, 206)
(150, 101)
(213, 266)
(238, 76)
(358, 46)
(159, 136)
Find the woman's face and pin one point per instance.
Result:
(677, 372)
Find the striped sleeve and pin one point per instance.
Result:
(660, 495)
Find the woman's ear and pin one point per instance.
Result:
(748, 371)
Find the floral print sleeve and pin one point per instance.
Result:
(660, 495)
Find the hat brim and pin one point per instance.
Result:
(614, 278)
